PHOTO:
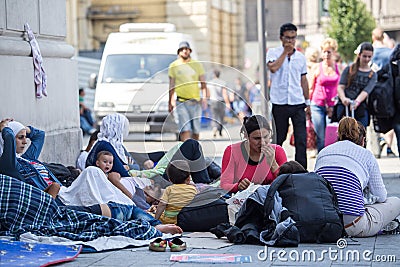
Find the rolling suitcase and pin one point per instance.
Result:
(331, 133)
(332, 128)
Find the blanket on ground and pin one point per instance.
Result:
(24, 208)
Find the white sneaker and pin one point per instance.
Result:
(391, 228)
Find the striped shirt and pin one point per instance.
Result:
(359, 161)
(347, 188)
(42, 171)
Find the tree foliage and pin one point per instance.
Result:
(351, 24)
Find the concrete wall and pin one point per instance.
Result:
(58, 113)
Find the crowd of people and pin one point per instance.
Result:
(140, 196)
(337, 89)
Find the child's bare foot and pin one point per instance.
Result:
(53, 189)
(169, 228)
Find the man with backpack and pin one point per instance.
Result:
(380, 59)
(395, 62)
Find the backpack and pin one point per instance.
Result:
(205, 211)
(380, 100)
(66, 175)
(312, 204)
(396, 88)
(251, 227)
(382, 125)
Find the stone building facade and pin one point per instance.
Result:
(312, 17)
(217, 26)
(57, 113)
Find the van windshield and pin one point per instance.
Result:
(137, 68)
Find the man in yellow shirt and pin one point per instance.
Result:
(185, 74)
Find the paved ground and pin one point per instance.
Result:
(374, 251)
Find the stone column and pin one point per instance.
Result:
(58, 113)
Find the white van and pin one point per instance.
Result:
(133, 75)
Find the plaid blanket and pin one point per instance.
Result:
(24, 208)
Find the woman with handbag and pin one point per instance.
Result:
(323, 87)
(356, 83)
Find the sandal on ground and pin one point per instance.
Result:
(176, 245)
(159, 245)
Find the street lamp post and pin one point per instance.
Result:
(262, 49)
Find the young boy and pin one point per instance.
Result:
(105, 162)
(178, 195)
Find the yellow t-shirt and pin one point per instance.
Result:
(176, 196)
(186, 77)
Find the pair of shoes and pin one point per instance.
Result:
(160, 245)
(391, 228)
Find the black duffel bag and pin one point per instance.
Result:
(205, 211)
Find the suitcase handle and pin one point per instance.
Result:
(349, 108)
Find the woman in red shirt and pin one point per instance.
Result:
(253, 160)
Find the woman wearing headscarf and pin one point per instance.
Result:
(90, 192)
(24, 166)
(113, 129)
(14, 162)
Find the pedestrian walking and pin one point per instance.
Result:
(381, 57)
(289, 90)
(356, 82)
(323, 89)
(219, 102)
(185, 74)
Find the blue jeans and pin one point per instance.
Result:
(85, 126)
(88, 116)
(128, 213)
(318, 118)
(120, 212)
